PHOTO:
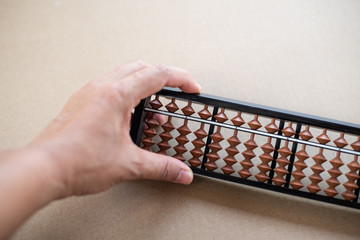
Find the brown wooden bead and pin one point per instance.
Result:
(156, 104)
(254, 124)
(188, 110)
(289, 131)
(271, 127)
(323, 138)
(221, 117)
(205, 114)
(356, 145)
(341, 142)
(306, 134)
(238, 120)
(172, 107)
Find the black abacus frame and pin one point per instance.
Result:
(138, 123)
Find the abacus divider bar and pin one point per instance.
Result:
(248, 130)
(208, 139)
(292, 157)
(138, 121)
(271, 112)
(357, 190)
(275, 155)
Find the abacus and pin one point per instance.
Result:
(260, 146)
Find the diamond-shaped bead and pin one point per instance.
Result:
(288, 131)
(254, 124)
(323, 138)
(306, 134)
(356, 145)
(172, 107)
(238, 120)
(188, 110)
(221, 117)
(271, 127)
(204, 114)
(341, 142)
(156, 104)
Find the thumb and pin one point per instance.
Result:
(160, 167)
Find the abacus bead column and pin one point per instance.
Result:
(232, 151)
(334, 174)
(265, 158)
(317, 169)
(215, 147)
(248, 155)
(150, 132)
(182, 140)
(166, 136)
(198, 144)
(282, 162)
(183, 130)
(300, 165)
(352, 176)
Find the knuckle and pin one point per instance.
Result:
(163, 73)
(138, 169)
(140, 63)
(161, 68)
(119, 91)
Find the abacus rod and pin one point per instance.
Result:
(314, 144)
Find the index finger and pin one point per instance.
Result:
(152, 79)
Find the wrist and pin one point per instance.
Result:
(39, 163)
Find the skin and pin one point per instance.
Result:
(87, 148)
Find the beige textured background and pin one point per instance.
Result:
(297, 55)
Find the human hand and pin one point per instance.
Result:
(89, 144)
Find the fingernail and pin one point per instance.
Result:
(199, 87)
(184, 177)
